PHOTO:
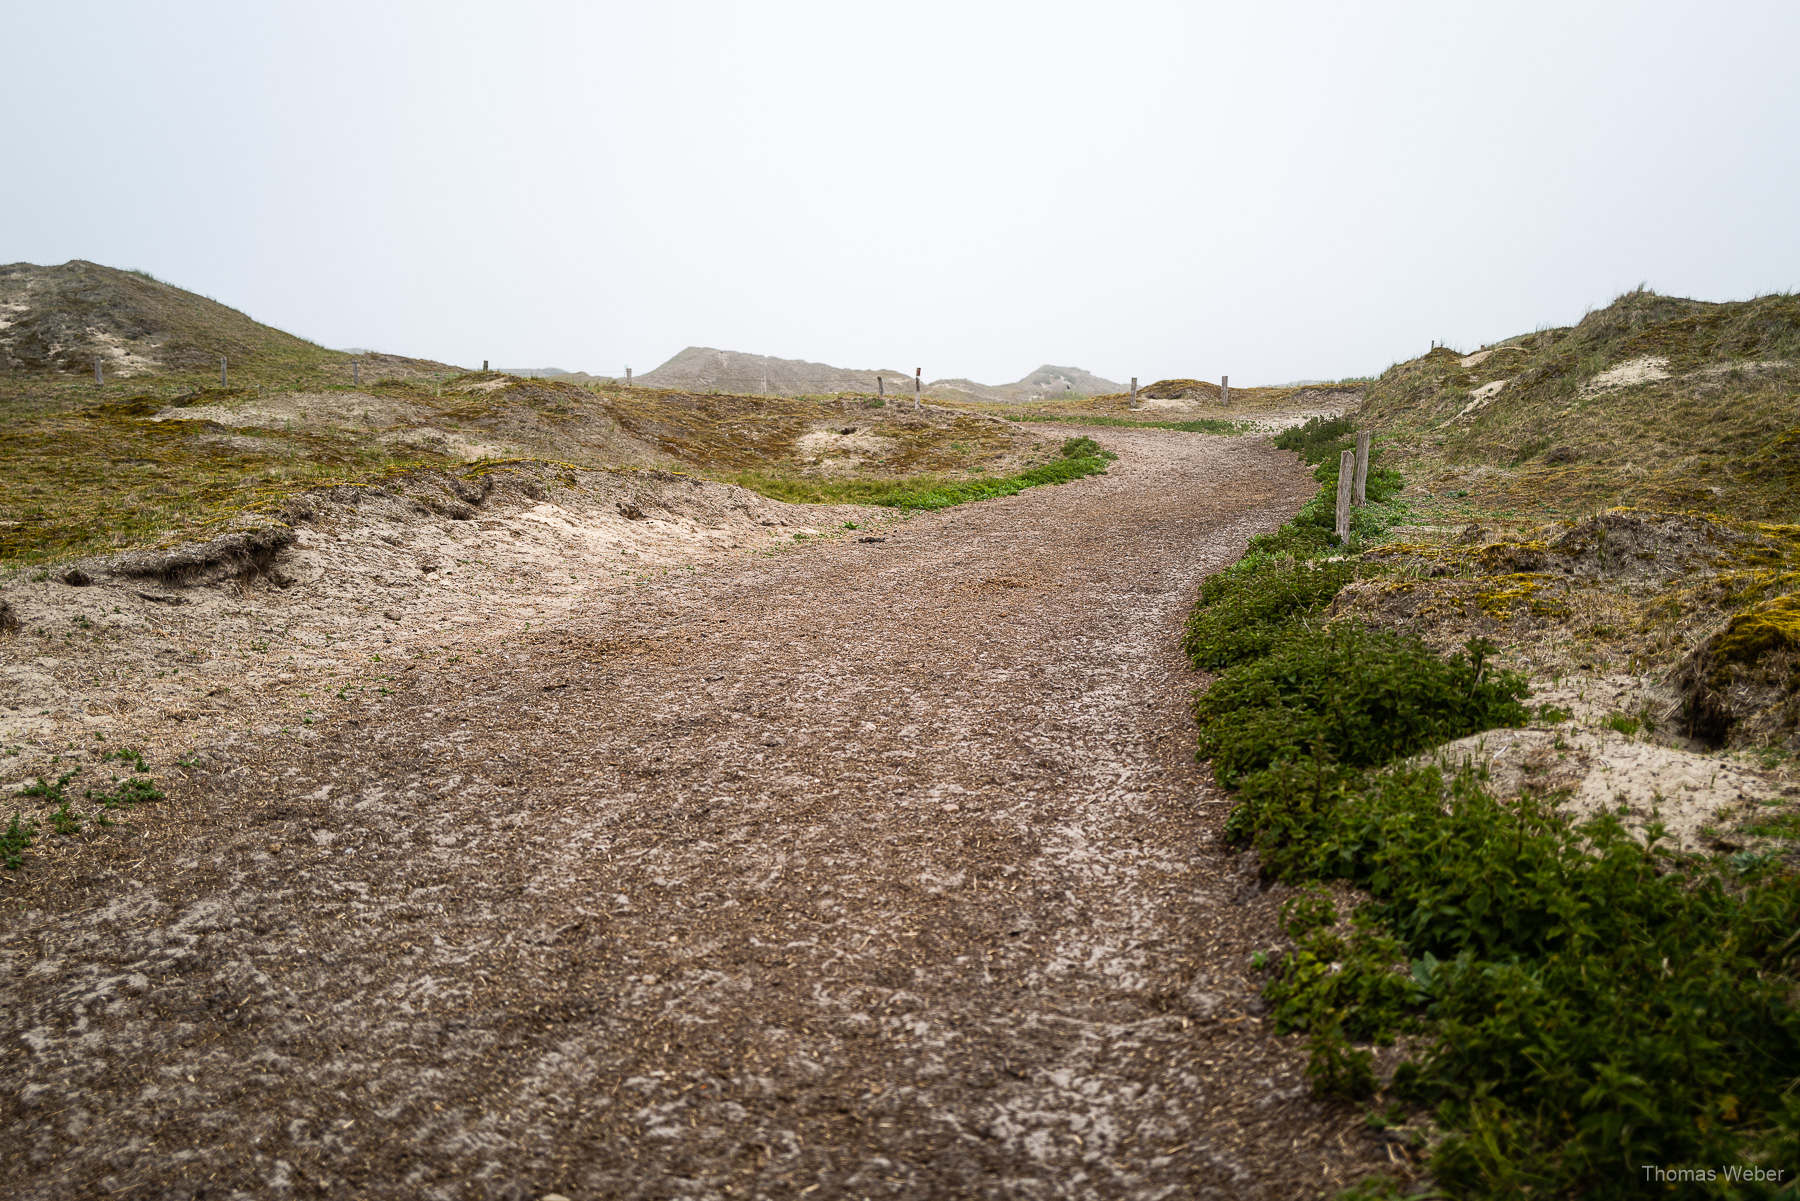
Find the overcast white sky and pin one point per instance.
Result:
(1274, 191)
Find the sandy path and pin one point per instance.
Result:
(870, 870)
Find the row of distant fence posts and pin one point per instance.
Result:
(100, 372)
(1353, 483)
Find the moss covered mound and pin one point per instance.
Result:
(1181, 389)
(1750, 637)
(1742, 685)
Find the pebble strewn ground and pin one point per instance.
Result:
(872, 869)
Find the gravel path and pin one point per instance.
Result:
(871, 869)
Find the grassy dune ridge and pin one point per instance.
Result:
(1653, 401)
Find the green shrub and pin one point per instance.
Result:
(1336, 1067)
(1596, 1003)
(1307, 910)
(1380, 485)
(1320, 440)
(1242, 613)
(1359, 987)
(50, 792)
(1084, 447)
(1296, 539)
(1352, 696)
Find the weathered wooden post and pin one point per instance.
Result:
(1361, 496)
(356, 372)
(1224, 389)
(880, 392)
(918, 385)
(99, 373)
(628, 377)
(1346, 469)
(221, 371)
(1134, 391)
(484, 365)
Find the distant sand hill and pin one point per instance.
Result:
(63, 319)
(1046, 383)
(703, 369)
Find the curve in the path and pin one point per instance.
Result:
(872, 869)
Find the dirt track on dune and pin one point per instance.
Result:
(867, 870)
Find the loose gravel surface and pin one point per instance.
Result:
(866, 869)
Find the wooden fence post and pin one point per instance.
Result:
(1224, 389)
(628, 377)
(221, 371)
(918, 383)
(99, 373)
(880, 388)
(1346, 469)
(1134, 391)
(356, 373)
(1361, 497)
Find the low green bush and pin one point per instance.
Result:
(1587, 1003)
(1319, 440)
(1242, 613)
(1380, 485)
(1312, 532)
(1595, 1004)
(1295, 539)
(1350, 695)
(1356, 988)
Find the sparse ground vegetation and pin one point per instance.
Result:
(1077, 458)
(1199, 425)
(1526, 983)
(160, 464)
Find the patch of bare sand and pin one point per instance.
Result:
(870, 868)
(374, 580)
(1700, 798)
(1642, 370)
(842, 447)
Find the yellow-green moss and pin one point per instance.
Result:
(1771, 626)
(1520, 588)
